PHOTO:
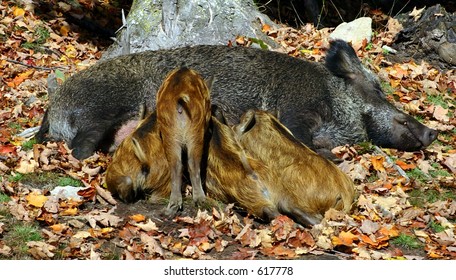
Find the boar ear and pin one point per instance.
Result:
(138, 150)
(342, 61)
(247, 122)
(209, 82)
(217, 113)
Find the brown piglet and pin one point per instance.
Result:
(305, 184)
(183, 114)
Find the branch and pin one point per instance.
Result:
(33, 66)
(397, 167)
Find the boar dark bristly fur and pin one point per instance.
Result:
(324, 105)
(385, 125)
(307, 184)
(183, 114)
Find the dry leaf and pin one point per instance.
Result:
(36, 199)
(150, 225)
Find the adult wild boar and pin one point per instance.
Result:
(324, 105)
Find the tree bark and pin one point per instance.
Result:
(163, 24)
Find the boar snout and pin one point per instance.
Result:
(412, 134)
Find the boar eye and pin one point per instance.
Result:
(404, 123)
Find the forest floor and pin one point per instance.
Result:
(406, 201)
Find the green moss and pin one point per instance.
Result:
(407, 241)
(418, 175)
(436, 227)
(28, 145)
(4, 197)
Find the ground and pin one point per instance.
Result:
(405, 206)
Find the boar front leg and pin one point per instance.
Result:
(85, 142)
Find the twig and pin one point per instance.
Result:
(397, 167)
(33, 66)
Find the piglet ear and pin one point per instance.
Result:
(138, 150)
(247, 122)
(342, 61)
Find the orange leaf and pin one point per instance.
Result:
(377, 163)
(392, 232)
(404, 165)
(64, 29)
(266, 28)
(345, 238)
(138, 218)
(57, 228)
(366, 239)
(20, 78)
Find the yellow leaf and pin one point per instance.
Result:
(18, 11)
(106, 230)
(377, 163)
(71, 51)
(69, 212)
(36, 199)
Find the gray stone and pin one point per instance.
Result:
(355, 31)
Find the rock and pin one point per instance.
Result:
(431, 37)
(355, 31)
(66, 192)
(447, 52)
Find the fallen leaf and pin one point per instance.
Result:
(150, 225)
(369, 227)
(441, 114)
(345, 238)
(82, 234)
(377, 163)
(404, 165)
(138, 218)
(36, 199)
(40, 250)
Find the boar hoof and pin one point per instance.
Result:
(82, 153)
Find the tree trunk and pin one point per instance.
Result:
(155, 24)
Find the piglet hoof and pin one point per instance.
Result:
(172, 208)
(199, 199)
